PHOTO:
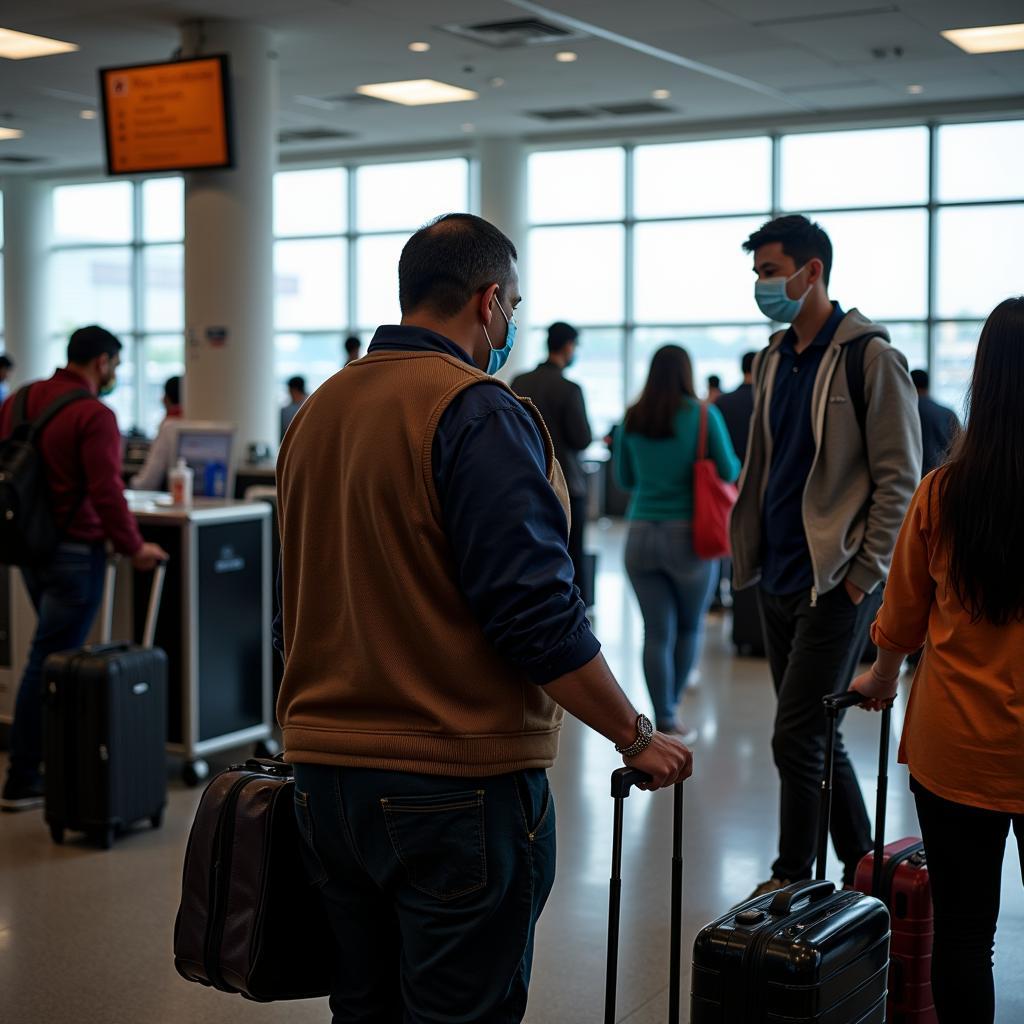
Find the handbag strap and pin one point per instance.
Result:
(702, 433)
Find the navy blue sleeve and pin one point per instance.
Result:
(509, 534)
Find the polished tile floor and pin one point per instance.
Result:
(85, 935)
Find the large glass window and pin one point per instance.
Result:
(980, 161)
(335, 275)
(117, 261)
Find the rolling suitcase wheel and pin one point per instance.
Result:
(57, 834)
(105, 838)
(157, 819)
(195, 772)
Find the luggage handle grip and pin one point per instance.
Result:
(624, 779)
(814, 891)
(836, 702)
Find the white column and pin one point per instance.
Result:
(229, 304)
(503, 203)
(27, 216)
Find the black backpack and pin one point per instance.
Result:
(28, 533)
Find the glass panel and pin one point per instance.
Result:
(694, 270)
(163, 209)
(90, 286)
(576, 274)
(311, 202)
(163, 288)
(714, 350)
(310, 284)
(955, 346)
(405, 196)
(313, 356)
(979, 258)
(912, 341)
(377, 279)
(862, 168)
(93, 213)
(163, 357)
(722, 176)
(122, 401)
(879, 261)
(981, 161)
(578, 184)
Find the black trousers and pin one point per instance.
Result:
(813, 651)
(578, 515)
(965, 848)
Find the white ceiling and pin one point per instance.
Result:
(810, 57)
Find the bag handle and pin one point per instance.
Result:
(702, 433)
(814, 891)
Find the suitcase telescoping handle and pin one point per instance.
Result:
(152, 610)
(623, 780)
(835, 703)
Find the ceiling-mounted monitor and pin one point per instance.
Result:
(174, 116)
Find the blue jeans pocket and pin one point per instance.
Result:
(439, 840)
(304, 819)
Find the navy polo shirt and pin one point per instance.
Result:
(786, 560)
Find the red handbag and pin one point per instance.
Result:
(713, 500)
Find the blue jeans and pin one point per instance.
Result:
(66, 595)
(673, 587)
(433, 886)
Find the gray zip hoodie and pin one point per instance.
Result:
(855, 499)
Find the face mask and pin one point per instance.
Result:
(499, 356)
(772, 300)
(109, 388)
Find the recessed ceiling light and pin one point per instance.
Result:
(88, 115)
(661, 94)
(11, 133)
(497, 83)
(417, 93)
(21, 45)
(915, 90)
(566, 56)
(989, 39)
(467, 127)
(419, 47)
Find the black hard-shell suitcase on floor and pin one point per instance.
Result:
(806, 954)
(104, 731)
(747, 634)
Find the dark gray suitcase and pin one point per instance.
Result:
(104, 730)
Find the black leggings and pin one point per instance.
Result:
(965, 847)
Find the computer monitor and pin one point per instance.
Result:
(207, 449)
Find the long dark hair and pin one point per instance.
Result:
(981, 498)
(669, 381)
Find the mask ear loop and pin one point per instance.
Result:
(809, 286)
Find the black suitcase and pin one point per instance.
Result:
(104, 730)
(747, 634)
(623, 780)
(806, 954)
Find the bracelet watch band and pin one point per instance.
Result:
(644, 733)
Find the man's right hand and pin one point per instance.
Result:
(148, 556)
(666, 760)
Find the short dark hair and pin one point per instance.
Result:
(353, 343)
(172, 390)
(802, 240)
(449, 260)
(297, 384)
(561, 334)
(89, 343)
(714, 381)
(747, 363)
(921, 379)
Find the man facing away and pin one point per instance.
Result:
(737, 407)
(822, 497)
(562, 406)
(81, 450)
(296, 396)
(939, 424)
(431, 633)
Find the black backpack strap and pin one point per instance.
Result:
(43, 419)
(20, 405)
(855, 379)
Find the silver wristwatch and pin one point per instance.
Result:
(644, 732)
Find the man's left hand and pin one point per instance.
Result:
(854, 592)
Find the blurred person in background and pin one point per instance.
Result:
(562, 405)
(353, 346)
(956, 588)
(939, 425)
(714, 388)
(6, 366)
(296, 396)
(654, 450)
(161, 455)
(737, 407)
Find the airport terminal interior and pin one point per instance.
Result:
(227, 186)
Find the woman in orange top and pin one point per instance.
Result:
(957, 588)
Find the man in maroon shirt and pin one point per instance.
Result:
(81, 449)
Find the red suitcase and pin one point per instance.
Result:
(900, 881)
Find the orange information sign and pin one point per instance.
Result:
(167, 117)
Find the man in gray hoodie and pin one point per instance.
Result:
(832, 463)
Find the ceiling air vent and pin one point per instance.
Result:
(504, 35)
(635, 109)
(291, 135)
(563, 114)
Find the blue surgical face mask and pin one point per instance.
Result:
(772, 300)
(499, 356)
